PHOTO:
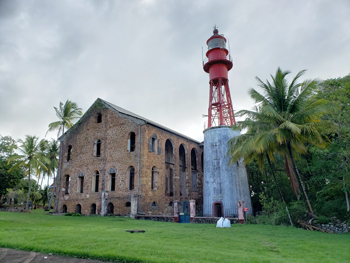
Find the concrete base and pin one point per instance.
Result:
(223, 185)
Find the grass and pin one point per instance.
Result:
(105, 238)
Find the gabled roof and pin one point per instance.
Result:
(122, 111)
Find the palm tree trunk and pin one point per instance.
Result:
(42, 179)
(278, 187)
(299, 180)
(346, 196)
(28, 189)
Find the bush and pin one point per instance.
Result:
(251, 220)
(274, 212)
(68, 214)
(76, 214)
(322, 220)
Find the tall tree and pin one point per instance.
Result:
(67, 113)
(31, 158)
(8, 179)
(286, 121)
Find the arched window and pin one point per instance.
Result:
(64, 209)
(154, 203)
(132, 178)
(131, 142)
(99, 117)
(153, 178)
(93, 209)
(98, 148)
(194, 169)
(110, 208)
(169, 167)
(193, 159)
(69, 153)
(153, 143)
(171, 203)
(182, 166)
(78, 209)
(95, 183)
(67, 184)
(127, 204)
(169, 152)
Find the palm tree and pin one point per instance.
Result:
(31, 158)
(66, 113)
(286, 119)
(43, 148)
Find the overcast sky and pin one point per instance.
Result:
(145, 55)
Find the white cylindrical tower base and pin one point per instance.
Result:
(224, 185)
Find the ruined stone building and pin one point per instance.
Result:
(114, 160)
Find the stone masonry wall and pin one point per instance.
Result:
(114, 132)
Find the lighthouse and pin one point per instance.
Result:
(223, 185)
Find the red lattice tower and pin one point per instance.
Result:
(220, 111)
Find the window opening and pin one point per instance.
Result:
(217, 210)
(154, 171)
(113, 182)
(64, 209)
(132, 142)
(93, 209)
(69, 154)
(171, 203)
(154, 204)
(193, 160)
(153, 143)
(171, 183)
(81, 184)
(98, 148)
(97, 179)
(110, 208)
(127, 204)
(182, 166)
(99, 118)
(67, 185)
(169, 152)
(131, 178)
(78, 209)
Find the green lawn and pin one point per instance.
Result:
(105, 238)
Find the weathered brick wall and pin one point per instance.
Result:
(114, 132)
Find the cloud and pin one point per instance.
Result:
(146, 56)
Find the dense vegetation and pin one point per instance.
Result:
(32, 157)
(324, 171)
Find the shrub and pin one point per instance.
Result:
(68, 214)
(76, 214)
(274, 212)
(251, 220)
(322, 220)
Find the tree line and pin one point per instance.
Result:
(33, 156)
(296, 149)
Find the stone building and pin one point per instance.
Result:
(114, 161)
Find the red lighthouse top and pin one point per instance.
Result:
(220, 111)
(217, 55)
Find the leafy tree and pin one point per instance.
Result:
(8, 179)
(285, 120)
(66, 113)
(7, 146)
(31, 158)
